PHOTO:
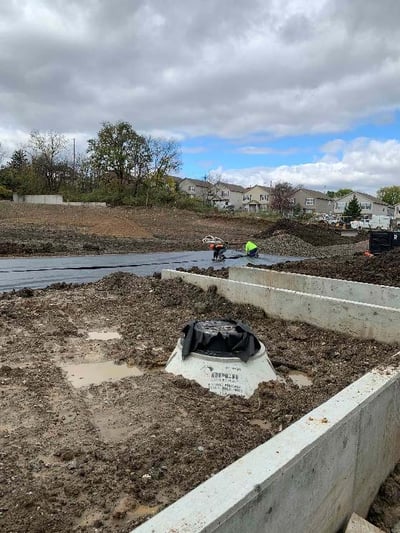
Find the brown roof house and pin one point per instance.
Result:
(226, 195)
(195, 188)
(312, 202)
(256, 199)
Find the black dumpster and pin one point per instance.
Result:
(396, 239)
(383, 241)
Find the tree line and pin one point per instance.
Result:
(120, 166)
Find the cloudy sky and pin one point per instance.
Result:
(256, 91)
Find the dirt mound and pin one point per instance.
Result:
(381, 269)
(315, 234)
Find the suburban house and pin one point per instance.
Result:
(369, 205)
(311, 202)
(256, 198)
(226, 195)
(195, 188)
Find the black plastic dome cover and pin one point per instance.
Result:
(219, 338)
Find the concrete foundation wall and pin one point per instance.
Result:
(310, 477)
(334, 288)
(352, 318)
(52, 199)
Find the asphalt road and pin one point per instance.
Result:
(41, 272)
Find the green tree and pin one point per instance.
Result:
(353, 209)
(12, 175)
(343, 192)
(390, 195)
(136, 163)
(121, 154)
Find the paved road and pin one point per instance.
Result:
(40, 272)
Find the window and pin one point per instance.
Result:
(192, 188)
(366, 205)
(263, 197)
(309, 201)
(340, 206)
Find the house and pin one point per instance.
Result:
(173, 182)
(195, 188)
(226, 195)
(256, 199)
(369, 205)
(312, 202)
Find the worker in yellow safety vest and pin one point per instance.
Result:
(251, 249)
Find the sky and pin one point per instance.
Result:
(254, 91)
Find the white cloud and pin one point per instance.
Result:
(260, 150)
(365, 165)
(197, 68)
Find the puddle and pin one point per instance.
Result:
(263, 424)
(300, 378)
(84, 374)
(103, 335)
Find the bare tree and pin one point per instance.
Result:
(48, 158)
(282, 196)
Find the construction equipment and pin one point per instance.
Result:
(217, 245)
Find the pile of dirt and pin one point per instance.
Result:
(383, 269)
(314, 234)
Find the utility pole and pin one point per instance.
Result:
(73, 159)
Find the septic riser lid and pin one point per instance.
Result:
(219, 338)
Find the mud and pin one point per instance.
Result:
(106, 456)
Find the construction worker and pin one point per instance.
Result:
(219, 249)
(251, 249)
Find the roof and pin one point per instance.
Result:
(264, 187)
(198, 183)
(231, 186)
(368, 196)
(315, 194)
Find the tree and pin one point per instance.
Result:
(343, 192)
(353, 209)
(136, 162)
(282, 197)
(120, 152)
(389, 195)
(48, 158)
(14, 172)
(165, 157)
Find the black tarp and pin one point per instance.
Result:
(219, 338)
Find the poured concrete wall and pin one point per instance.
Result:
(334, 288)
(307, 479)
(51, 199)
(335, 314)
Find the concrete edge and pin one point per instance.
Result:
(308, 475)
(363, 320)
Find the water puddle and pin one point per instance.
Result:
(263, 424)
(300, 378)
(84, 374)
(103, 335)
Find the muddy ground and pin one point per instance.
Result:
(107, 456)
